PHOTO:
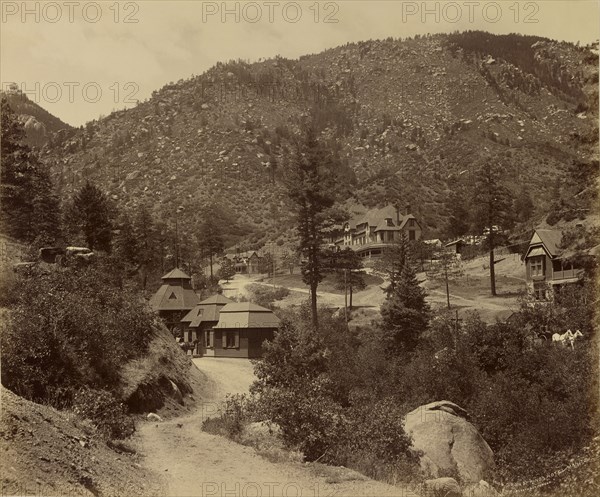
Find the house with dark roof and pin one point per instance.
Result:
(174, 299)
(547, 268)
(249, 262)
(198, 324)
(241, 330)
(371, 233)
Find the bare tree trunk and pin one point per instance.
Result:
(447, 286)
(346, 295)
(313, 305)
(211, 267)
(492, 268)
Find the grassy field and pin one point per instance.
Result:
(327, 285)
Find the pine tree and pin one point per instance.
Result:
(309, 186)
(29, 210)
(523, 205)
(210, 237)
(405, 313)
(90, 215)
(147, 239)
(491, 205)
(125, 241)
(392, 262)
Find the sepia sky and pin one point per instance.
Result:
(83, 59)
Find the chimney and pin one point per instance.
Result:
(407, 209)
(397, 216)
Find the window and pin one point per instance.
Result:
(209, 337)
(537, 266)
(190, 336)
(411, 235)
(539, 292)
(411, 222)
(232, 339)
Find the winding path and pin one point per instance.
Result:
(195, 463)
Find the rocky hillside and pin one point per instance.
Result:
(48, 452)
(404, 117)
(39, 124)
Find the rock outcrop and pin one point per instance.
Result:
(449, 444)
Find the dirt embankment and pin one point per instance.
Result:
(48, 452)
(44, 451)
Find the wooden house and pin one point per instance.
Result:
(174, 299)
(249, 262)
(546, 267)
(371, 233)
(242, 329)
(198, 324)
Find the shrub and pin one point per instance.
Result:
(265, 295)
(105, 412)
(237, 412)
(72, 328)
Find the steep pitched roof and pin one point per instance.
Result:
(246, 315)
(373, 216)
(176, 274)
(550, 239)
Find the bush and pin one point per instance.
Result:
(72, 328)
(105, 412)
(237, 413)
(265, 295)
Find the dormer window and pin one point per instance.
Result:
(389, 221)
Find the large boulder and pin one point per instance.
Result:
(449, 444)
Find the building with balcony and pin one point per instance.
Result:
(372, 232)
(547, 268)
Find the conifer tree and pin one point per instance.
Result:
(90, 216)
(29, 209)
(405, 313)
(309, 186)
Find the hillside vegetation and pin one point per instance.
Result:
(406, 120)
(39, 124)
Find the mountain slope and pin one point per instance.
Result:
(39, 123)
(405, 118)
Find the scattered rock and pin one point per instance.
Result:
(153, 417)
(176, 393)
(442, 487)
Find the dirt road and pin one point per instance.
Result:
(195, 463)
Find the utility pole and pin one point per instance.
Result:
(179, 209)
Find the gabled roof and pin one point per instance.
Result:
(176, 274)
(246, 315)
(205, 311)
(373, 216)
(549, 239)
(376, 218)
